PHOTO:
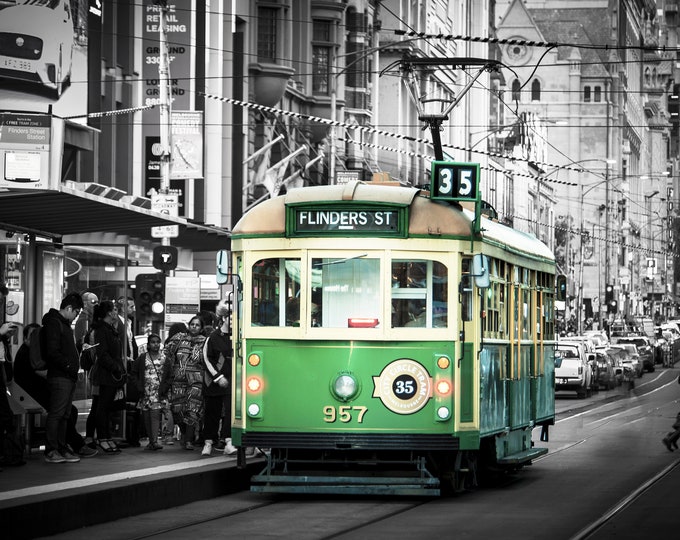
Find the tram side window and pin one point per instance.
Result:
(345, 292)
(419, 294)
(275, 292)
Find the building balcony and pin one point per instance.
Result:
(269, 82)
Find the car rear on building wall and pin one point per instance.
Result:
(36, 43)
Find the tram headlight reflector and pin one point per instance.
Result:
(443, 413)
(254, 385)
(443, 362)
(253, 409)
(345, 387)
(443, 387)
(254, 360)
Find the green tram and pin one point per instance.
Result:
(388, 342)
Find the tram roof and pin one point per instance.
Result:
(426, 217)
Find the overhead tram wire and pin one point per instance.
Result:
(528, 43)
(366, 129)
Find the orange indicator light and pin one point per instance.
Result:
(443, 362)
(254, 360)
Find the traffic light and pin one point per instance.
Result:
(609, 299)
(150, 297)
(561, 287)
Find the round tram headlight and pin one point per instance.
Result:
(443, 362)
(253, 409)
(443, 413)
(345, 387)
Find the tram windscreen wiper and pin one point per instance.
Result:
(340, 261)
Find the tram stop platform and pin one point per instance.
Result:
(42, 499)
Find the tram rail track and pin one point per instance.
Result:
(591, 529)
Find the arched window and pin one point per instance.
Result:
(536, 90)
(515, 90)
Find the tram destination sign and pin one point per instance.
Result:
(376, 221)
(454, 181)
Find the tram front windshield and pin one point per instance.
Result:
(347, 292)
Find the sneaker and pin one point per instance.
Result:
(85, 451)
(188, 445)
(70, 457)
(229, 449)
(207, 448)
(53, 456)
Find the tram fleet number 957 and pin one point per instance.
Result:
(459, 180)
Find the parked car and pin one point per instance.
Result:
(632, 360)
(598, 337)
(644, 348)
(572, 371)
(606, 370)
(589, 352)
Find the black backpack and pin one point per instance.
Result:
(35, 350)
(88, 356)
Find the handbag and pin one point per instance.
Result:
(119, 400)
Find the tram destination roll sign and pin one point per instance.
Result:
(377, 221)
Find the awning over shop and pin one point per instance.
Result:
(77, 208)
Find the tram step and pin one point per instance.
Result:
(351, 485)
(523, 456)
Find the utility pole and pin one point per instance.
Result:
(164, 104)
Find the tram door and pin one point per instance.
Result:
(521, 347)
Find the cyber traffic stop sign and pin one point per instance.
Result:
(165, 257)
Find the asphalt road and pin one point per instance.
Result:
(606, 460)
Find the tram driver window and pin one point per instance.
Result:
(344, 289)
(275, 283)
(419, 294)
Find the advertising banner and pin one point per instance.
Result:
(44, 62)
(187, 145)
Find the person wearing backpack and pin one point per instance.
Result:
(36, 386)
(58, 347)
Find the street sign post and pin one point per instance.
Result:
(165, 203)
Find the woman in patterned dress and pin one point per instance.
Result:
(147, 371)
(183, 379)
